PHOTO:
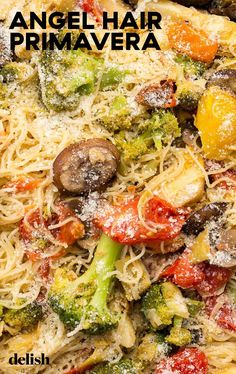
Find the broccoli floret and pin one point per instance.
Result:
(155, 308)
(65, 76)
(124, 366)
(161, 303)
(111, 77)
(119, 117)
(134, 148)
(153, 132)
(179, 335)
(23, 318)
(191, 68)
(194, 306)
(83, 300)
(188, 96)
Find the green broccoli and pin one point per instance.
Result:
(65, 76)
(119, 117)
(111, 77)
(161, 303)
(23, 318)
(83, 300)
(194, 306)
(191, 68)
(152, 132)
(179, 335)
(124, 366)
(188, 95)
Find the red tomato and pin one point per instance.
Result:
(71, 231)
(91, 6)
(187, 361)
(215, 278)
(23, 184)
(205, 278)
(185, 274)
(123, 224)
(33, 233)
(224, 317)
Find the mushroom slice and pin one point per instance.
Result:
(197, 221)
(223, 243)
(85, 166)
(225, 79)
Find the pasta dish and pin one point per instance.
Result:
(118, 195)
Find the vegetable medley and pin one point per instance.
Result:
(126, 227)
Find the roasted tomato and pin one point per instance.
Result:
(224, 317)
(187, 361)
(123, 223)
(205, 278)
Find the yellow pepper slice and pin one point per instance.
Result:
(216, 121)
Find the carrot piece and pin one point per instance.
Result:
(195, 43)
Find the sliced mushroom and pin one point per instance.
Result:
(225, 79)
(224, 8)
(197, 221)
(224, 244)
(85, 166)
(5, 51)
(158, 95)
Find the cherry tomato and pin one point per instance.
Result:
(205, 278)
(215, 278)
(123, 224)
(91, 6)
(184, 273)
(187, 361)
(224, 317)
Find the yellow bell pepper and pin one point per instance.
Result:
(216, 122)
(200, 250)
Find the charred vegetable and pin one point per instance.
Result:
(200, 218)
(158, 95)
(225, 79)
(224, 8)
(85, 166)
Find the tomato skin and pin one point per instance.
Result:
(224, 317)
(215, 278)
(91, 6)
(122, 222)
(186, 361)
(185, 274)
(68, 233)
(207, 279)
(71, 231)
